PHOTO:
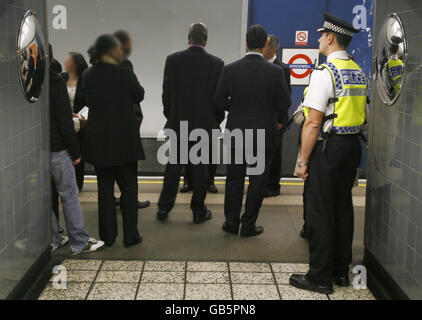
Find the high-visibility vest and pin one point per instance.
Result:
(395, 70)
(351, 94)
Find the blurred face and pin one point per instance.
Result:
(127, 47)
(268, 51)
(117, 53)
(324, 42)
(69, 64)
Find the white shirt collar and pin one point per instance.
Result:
(255, 53)
(342, 54)
(272, 59)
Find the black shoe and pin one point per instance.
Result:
(212, 188)
(303, 234)
(271, 193)
(256, 231)
(162, 215)
(61, 230)
(131, 244)
(228, 229)
(342, 281)
(143, 205)
(301, 282)
(117, 201)
(186, 188)
(201, 219)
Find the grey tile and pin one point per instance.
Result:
(350, 293)
(207, 277)
(208, 266)
(164, 266)
(249, 267)
(291, 293)
(89, 265)
(78, 276)
(255, 292)
(163, 277)
(74, 291)
(118, 276)
(251, 278)
(290, 267)
(160, 291)
(113, 291)
(122, 265)
(208, 292)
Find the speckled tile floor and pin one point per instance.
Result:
(166, 280)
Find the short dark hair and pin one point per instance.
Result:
(343, 41)
(103, 45)
(122, 35)
(198, 34)
(257, 37)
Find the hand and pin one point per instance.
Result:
(280, 126)
(302, 172)
(75, 116)
(77, 161)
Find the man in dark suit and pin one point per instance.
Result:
(190, 80)
(273, 183)
(254, 92)
(126, 42)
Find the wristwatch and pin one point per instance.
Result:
(302, 164)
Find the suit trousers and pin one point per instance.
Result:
(200, 176)
(127, 180)
(329, 206)
(274, 174)
(235, 186)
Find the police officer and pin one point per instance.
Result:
(330, 155)
(394, 68)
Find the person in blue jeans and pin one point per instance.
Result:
(65, 154)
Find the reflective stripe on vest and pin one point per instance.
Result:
(395, 70)
(351, 89)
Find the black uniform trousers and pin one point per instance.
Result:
(188, 174)
(329, 206)
(80, 168)
(200, 174)
(127, 180)
(235, 186)
(274, 174)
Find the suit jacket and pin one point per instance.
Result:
(112, 135)
(284, 118)
(255, 93)
(190, 80)
(80, 99)
(137, 107)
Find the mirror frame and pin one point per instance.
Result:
(18, 63)
(381, 92)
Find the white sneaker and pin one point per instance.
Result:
(65, 241)
(93, 245)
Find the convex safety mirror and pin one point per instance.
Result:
(32, 58)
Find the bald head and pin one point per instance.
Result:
(198, 34)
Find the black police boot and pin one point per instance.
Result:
(342, 281)
(255, 231)
(204, 218)
(212, 188)
(162, 215)
(268, 193)
(300, 281)
(143, 205)
(229, 229)
(186, 188)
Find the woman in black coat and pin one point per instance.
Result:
(112, 137)
(75, 65)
